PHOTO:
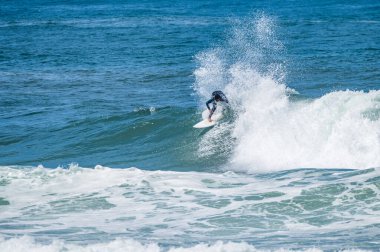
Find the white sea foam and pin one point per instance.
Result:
(129, 245)
(29, 244)
(338, 130)
(177, 207)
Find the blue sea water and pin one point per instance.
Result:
(97, 104)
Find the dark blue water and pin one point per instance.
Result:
(121, 83)
(73, 75)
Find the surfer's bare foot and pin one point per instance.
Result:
(209, 120)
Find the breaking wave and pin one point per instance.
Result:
(273, 128)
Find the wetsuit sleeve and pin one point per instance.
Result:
(208, 102)
(212, 111)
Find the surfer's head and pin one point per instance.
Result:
(217, 97)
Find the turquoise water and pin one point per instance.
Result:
(98, 100)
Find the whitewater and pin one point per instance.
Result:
(165, 210)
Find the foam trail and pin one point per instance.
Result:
(338, 130)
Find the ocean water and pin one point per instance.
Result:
(97, 104)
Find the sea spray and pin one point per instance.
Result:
(340, 129)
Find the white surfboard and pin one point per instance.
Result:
(205, 123)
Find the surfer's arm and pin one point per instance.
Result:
(208, 102)
(211, 112)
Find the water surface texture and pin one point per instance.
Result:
(97, 104)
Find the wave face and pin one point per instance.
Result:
(276, 129)
(288, 210)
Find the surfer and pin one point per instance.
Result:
(217, 96)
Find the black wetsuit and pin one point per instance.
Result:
(216, 95)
